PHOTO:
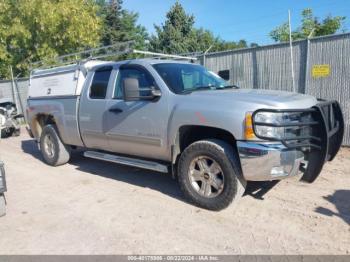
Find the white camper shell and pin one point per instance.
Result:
(65, 80)
(68, 80)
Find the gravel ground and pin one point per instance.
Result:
(94, 207)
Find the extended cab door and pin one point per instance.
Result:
(92, 108)
(137, 127)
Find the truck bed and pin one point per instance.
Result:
(64, 109)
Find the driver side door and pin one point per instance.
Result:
(136, 127)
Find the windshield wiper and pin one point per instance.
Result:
(198, 88)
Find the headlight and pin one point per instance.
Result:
(267, 117)
(270, 132)
(281, 118)
(278, 125)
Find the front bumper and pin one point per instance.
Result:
(262, 161)
(320, 144)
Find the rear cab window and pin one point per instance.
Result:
(99, 84)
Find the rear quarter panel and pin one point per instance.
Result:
(64, 111)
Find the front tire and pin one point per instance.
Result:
(53, 150)
(210, 175)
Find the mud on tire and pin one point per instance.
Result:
(222, 153)
(53, 150)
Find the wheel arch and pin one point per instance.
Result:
(39, 122)
(188, 134)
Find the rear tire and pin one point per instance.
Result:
(209, 174)
(53, 150)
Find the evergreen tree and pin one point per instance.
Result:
(111, 14)
(120, 25)
(178, 35)
(175, 35)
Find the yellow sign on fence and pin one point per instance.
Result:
(321, 70)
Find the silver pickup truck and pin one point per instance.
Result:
(177, 117)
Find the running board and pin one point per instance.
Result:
(150, 165)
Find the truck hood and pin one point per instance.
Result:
(257, 98)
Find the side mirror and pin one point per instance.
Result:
(131, 89)
(133, 92)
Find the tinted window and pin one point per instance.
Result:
(99, 83)
(224, 74)
(145, 80)
(182, 77)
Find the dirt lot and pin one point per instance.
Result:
(94, 207)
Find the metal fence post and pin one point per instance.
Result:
(14, 97)
(205, 53)
(306, 64)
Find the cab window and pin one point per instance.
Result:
(145, 81)
(99, 83)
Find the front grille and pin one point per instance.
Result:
(318, 132)
(320, 127)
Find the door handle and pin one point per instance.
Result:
(115, 110)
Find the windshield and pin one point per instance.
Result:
(183, 78)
